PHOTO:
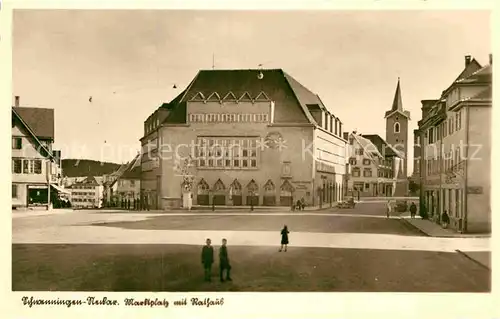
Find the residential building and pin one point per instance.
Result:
(372, 162)
(397, 136)
(35, 165)
(254, 136)
(87, 193)
(129, 182)
(455, 131)
(415, 176)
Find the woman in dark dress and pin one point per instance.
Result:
(284, 237)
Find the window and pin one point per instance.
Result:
(336, 127)
(366, 161)
(14, 190)
(227, 153)
(450, 126)
(359, 151)
(397, 127)
(458, 119)
(418, 140)
(367, 172)
(445, 128)
(367, 186)
(356, 172)
(26, 167)
(17, 165)
(132, 183)
(17, 143)
(352, 161)
(431, 135)
(37, 166)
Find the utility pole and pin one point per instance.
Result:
(213, 61)
(49, 166)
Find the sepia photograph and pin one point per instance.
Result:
(251, 151)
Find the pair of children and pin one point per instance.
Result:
(207, 259)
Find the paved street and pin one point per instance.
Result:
(342, 250)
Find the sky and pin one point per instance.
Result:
(128, 61)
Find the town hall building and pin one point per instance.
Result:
(243, 137)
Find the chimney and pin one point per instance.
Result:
(467, 60)
(16, 103)
(491, 59)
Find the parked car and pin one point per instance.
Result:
(347, 203)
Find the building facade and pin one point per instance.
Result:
(250, 136)
(415, 176)
(87, 193)
(129, 182)
(371, 161)
(396, 131)
(455, 166)
(35, 168)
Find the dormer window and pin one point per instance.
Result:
(397, 127)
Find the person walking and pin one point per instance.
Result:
(413, 210)
(389, 208)
(224, 262)
(207, 259)
(146, 202)
(284, 238)
(302, 204)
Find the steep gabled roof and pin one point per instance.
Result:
(40, 120)
(134, 173)
(370, 150)
(483, 75)
(469, 69)
(289, 95)
(383, 147)
(133, 169)
(40, 147)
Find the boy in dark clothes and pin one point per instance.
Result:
(207, 259)
(224, 262)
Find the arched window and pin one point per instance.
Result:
(396, 127)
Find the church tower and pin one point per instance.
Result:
(396, 134)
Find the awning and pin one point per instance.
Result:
(60, 189)
(37, 186)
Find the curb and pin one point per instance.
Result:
(414, 227)
(442, 236)
(472, 259)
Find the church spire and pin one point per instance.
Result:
(397, 104)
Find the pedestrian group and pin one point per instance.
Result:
(207, 257)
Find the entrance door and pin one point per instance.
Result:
(235, 191)
(286, 191)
